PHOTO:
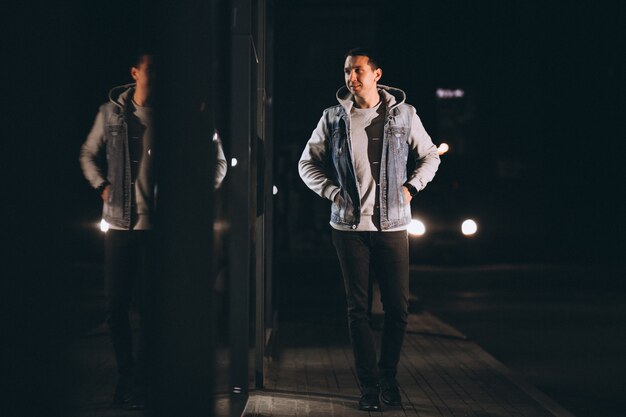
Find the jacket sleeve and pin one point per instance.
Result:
(91, 152)
(314, 165)
(426, 154)
(221, 166)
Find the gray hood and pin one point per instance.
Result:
(121, 94)
(392, 96)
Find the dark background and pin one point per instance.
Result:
(542, 158)
(547, 79)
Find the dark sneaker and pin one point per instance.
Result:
(389, 392)
(123, 391)
(369, 400)
(138, 399)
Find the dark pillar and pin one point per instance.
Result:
(241, 194)
(183, 335)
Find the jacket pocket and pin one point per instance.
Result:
(399, 138)
(339, 204)
(114, 131)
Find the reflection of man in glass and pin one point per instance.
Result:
(116, 160)
(357, 158)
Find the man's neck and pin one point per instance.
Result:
(371, 100)
(141, 97)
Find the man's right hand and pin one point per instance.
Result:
(105, 193)
(337, 198)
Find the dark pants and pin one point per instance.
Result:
(128, 266)
(387, 255)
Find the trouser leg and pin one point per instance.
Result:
(354, 257)
(143, 302)
(118, 292)
(390, 260)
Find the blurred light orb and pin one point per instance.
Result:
(104, 226)
(446, 93)
(469, 227)
(233, 162)
(275, 190)
(416, 228)
(443, 148)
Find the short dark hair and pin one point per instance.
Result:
(373, 59)
(139, 56)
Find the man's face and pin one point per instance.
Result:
(144, 74)
(360, 78)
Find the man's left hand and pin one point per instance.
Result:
(407, 195)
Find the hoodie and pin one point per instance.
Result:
(328, 167)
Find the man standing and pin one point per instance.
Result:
(357, 158)
(116, 160)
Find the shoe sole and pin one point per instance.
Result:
(392, 403)
(375, 408)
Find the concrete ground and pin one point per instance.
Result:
(561, 327)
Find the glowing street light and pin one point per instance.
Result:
(416, 228)
(446, 93)
(469, 227)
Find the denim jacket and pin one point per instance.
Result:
(327, 163)
(104, 157)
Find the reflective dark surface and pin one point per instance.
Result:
(221, 306)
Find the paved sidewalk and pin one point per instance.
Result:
(441, 373)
